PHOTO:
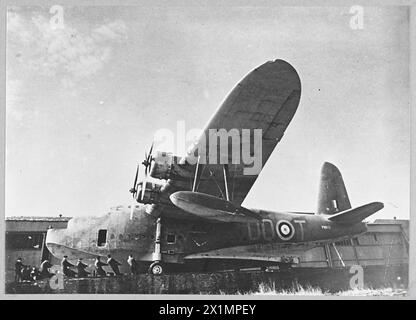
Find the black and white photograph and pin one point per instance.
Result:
(216, 150)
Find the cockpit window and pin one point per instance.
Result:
(102, 237)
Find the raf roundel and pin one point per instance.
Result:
(285, 230)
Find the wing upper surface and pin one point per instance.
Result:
(267, 99)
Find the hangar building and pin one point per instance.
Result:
(25, 238)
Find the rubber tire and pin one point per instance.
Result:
(156, 269)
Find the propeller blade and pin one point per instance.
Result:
(132, 209)
(147, 164)
(135, 180)
(134, 189)
(151, 149)
(144, 183)
(148, 159)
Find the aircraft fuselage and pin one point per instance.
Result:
(118, 235)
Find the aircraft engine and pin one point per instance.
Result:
(150, 194)
(163, 165)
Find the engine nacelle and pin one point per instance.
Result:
(163, 165)
(151, 193)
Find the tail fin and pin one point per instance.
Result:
(333, 197)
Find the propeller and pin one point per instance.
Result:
(147, 162)
(134, 189)
(148, 159)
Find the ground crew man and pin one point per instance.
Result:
(113, 263)
(18, 268)
(81, 269)
(65, 264)
(34, 274)
(134, 269)
(44, 269)
(99, 267)
(26, 273)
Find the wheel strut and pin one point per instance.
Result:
(156, 267)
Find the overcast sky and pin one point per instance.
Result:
(84, 101)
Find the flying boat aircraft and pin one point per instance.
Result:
(193, 207)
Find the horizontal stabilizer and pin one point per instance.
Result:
(358, 214)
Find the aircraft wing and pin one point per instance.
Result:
(267, 99)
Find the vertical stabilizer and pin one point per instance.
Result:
(333, 197)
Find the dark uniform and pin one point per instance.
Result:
(65, 264)
(99, 267)
(26, 273)
(113, 263)
(81, 269)
(18, 269)
(44, 269)
(134, 268)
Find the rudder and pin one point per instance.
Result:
(333, 197)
